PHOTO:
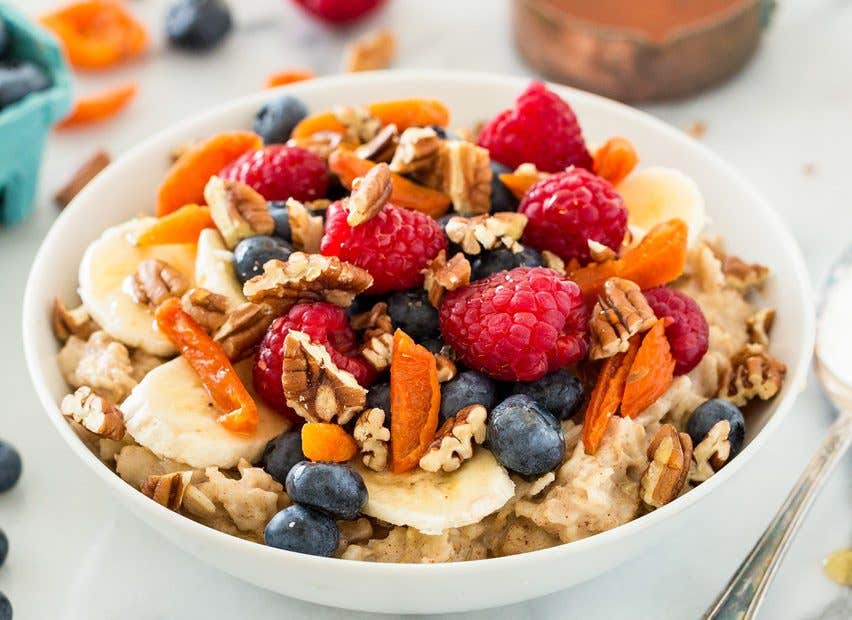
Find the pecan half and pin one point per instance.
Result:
(372, 52)
(94, 413)
(307, 277)
(442, 275)
(81, 177)
(378, 335)
(67, 323)
(418, 153)
(753, 374)
(670, 454)
(453, 443)
(759, 325)
(306, 229)
(711, 453)
(382, 147)
(167, 490)
(369, 196)
(155, 281)
(554, 262)
(361, 125)
(378, 351)
(487, 232)
(207, 308)
(237, 210)
(620, 313)
(467, 180)
(243, 329)
(321, 143)
(372, 437)
(599, 252)
(314, 386)
(446, 368)
(743, 276)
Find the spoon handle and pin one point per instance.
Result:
(747, 588)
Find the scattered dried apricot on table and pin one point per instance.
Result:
(100, 106)
(651, 373)
(615, 159)
(181, 226)
(288, 76)
(327, 442)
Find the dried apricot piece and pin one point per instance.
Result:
(415, 398)
(651, 373)
(181, 226)
(100, 106)
(405, 113)
(185, 180)
(288, 76)
(615, 159)
(326, 121)
(518, 184)
(407, 194)
(327, 442)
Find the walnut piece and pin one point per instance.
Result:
(100, 363)
(378, 335)
(599, 252)
(487, 232)
(446, 368)
(442, 275)
(237, 210)
(361, 125)
(753, 374)
(94, 412)
(759, 325)
(711, 453)
(81, 178)
(369, 196)
(454, 441)
(304, 278)
(419, 153)
(372, 438)
(468, 178)
(314, 386)
(554, 262)
(243, 329)
(155, 281)
(321, 143)
(743, 276)
(67, 323)
(168, 489)
(382, 147)
(372, 52)
(670, 454)
(620, 313)
(208, 309)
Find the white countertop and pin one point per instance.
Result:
(76, 555)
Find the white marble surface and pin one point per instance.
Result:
(76, 555)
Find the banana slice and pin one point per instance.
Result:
(657, 194)
(106, 265)
(433, 502)
(171, 414)
(214, 268)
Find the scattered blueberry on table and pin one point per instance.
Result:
(4, 547)
(18, 79)
(708, 414)
(4, 38)
(281, 454)
(10, 466)
(560, 392)
(470, 387)
(411, 312)
(198, 24)
(275, 121)
(303, 530)
(5, 608)
(251, 254)
(524, 437)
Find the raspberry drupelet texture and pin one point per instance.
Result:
(540, 129)
(280, 172)
(517, 325)
(571, 208)
(688, 333)
(394, 246)
(324, 323)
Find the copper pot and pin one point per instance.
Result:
(663, 50)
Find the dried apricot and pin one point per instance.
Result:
(415, 399)
(651, 373)
(326, 121)
(327, 442)
(181, 226)
(288, 76)
(405, 113)
(615, 159)
(100, 106)
(518, 184)
(185, 180)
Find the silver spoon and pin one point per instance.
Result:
(746, 590)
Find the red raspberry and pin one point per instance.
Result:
(569, 209)
(688, 334)
(280, 172)
(339, 11)
(324, 323)
(394, 246)
(517, 325)
(540, 129)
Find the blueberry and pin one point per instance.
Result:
(281, 217)
(198, 24)
(708, 413)
(363, 303)
(467, 388)
(4, 38)
(275, 121)
(10, 466)
(502, 259)
(501, 198)
(5, 608)
(251, 254)
(560, 392)
(411, 312)
(524, 437)
(303, 530)
(281, 454)
(333, 488)
(433, 345)
(379, 396)
(4, 547)
(18, 79)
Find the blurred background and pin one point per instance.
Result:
(767, 87)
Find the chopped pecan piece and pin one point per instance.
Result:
(237, 210)
(454, 441)
(155, 281)
(361, 125)
(467, 180)
(753, 374)
(378, 350)
(711, 453)
(670, 454)
(306, 229)
(620, 313)
(418, 153)
(94, 413)
(487, 232)
(444, 275)
(67, 323)
(372, 52)
(743, 276)
(554, 262)
(382, 147)
(599, 252)
(208, 309)
(321, 143)
(314, 386)
(759, 325)
(167, 490)
(307, 277)
(243, 329)
(372, 438)
(446, 368)
(378, 335)
(369, 196)
(81, 178)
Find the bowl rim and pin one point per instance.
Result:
(33, 321)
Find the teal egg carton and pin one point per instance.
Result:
(24, 125)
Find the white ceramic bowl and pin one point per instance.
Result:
(128, 187)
